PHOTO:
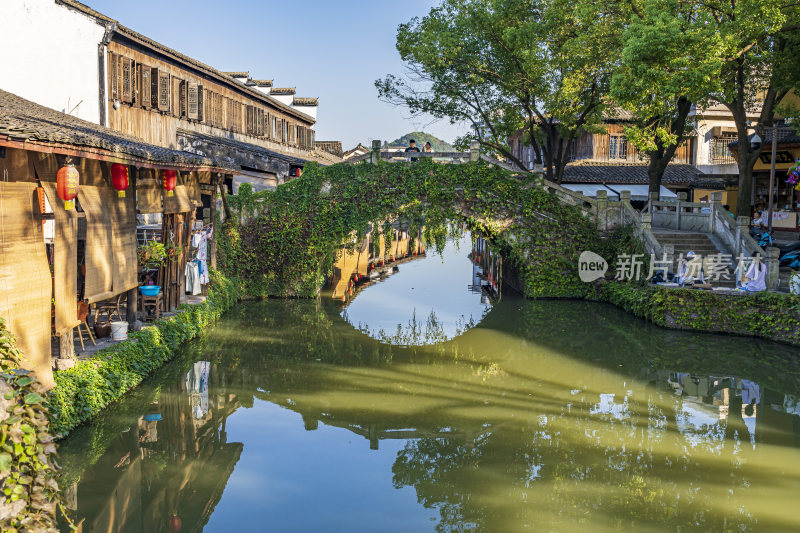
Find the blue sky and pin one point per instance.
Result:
(331, 50)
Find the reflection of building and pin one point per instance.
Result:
(487, 270)
(372, 259)
(168, 470)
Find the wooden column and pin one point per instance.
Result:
(66, 344)
(212, 243)
(132, 306)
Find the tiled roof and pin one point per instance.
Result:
(305, 101)
(282, 90)
(240, 74)
(632, 174)
(258, 151)
(211, 71)
(25, 121)
(260, 83)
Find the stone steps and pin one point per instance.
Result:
(700, 244)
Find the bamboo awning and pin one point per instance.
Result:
(148, 192)
(99, 277)
(179, 202)
(25, 283)
(123, 240)
(65, 262)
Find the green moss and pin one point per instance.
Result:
(766, 315)
(285, 242)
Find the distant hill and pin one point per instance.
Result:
(437, 144)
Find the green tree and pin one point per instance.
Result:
(755, 55)
(664, 71)
(507, 65)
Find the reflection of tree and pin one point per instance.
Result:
(553, 415)
(415, 333)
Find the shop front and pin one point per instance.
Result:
(785, 195)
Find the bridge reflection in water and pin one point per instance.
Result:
(544, 414)
(370, 259)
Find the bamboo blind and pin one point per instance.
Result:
(17, 164)
(178, 202)
(123, 239)
(94, 172)
(192, 183)
(99, 263)
(148, 191)
(65, 263)
(46, 165)
(25, 277)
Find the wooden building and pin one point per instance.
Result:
(90, 254)
(143, 88)
(607, 158)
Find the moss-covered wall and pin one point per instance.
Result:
(766, 315)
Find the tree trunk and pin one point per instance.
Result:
(655, 170)
(744, 197)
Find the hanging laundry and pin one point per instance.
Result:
(193, 278)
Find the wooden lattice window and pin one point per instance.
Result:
(145, 88)
(126, 74)
(182, 99)
(113, 76)
(218, 107)
(250, 120)
(198, 90)
(164, 91)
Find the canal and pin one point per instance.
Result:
(432, 402)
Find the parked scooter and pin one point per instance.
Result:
(764, 239)
(790, 254)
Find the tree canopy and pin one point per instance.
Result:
(555, 69)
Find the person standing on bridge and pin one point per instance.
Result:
(412, 147)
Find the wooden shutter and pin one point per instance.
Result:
(126, 79)
(154, 88)
(183, 99)
(145, 87)
(250, 120)
(163, 91)
(199, 92)
(178, 97)
(113, 76)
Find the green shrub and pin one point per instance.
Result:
(28, 487)
(766, 315)
(85, 389)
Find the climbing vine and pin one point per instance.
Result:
(285, 242)
(28, 487)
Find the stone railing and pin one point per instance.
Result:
(714, 219)
(680, 214)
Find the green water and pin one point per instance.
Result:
(549, 415)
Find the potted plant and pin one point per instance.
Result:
(152, 255)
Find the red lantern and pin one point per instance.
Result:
(175, 523)
(297, 172)
(169, 179)
(119, 178)
(67, 182)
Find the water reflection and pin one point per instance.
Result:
(437, 297)
(545, 415)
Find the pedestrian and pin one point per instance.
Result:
(427, 147)
(412, 147)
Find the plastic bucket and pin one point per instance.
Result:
(119, 331)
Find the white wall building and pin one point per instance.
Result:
(53, 56)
